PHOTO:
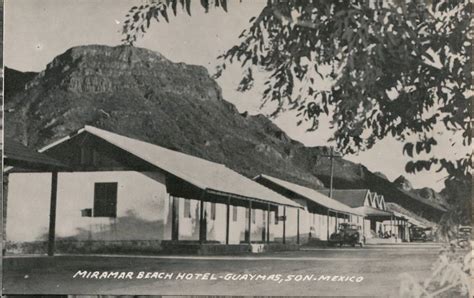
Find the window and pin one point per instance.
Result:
(187, 208)
(254, 216)
(213, 211)
(276, 216)
(105, 199)
(234, 213)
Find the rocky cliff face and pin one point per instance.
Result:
(403, 183)
(425, 193)
(15, 81)
(140, 93)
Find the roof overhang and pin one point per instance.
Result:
(18, 157)
(377, 214)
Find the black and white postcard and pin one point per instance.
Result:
(249, 148)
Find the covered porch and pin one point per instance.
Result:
(219, 217)
(321, 214)
(19, 158)
(202, 203)
(385, 224)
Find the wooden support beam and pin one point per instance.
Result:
(174, 218)
(391, 225)
(268, 223)
(202, 223)
(363, 226)
(284, 224)
(52, 213)
(250, 223)
(327, 226)
(227, 227)
(298, 226)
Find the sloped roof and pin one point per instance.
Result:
(371, 211)
(350, 197)
(204, 174)
(411, 216)
(311, 195)
(17, 154)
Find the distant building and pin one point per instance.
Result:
(321, 214)
(381, 221)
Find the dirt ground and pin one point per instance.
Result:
(375, 270)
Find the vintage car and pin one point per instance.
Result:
(418, 234)
(348, 233)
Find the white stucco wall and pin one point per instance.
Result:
(318, 226)
(366, 227)
(142, 207)
(188, 226)
(143, 212)
(28, 207)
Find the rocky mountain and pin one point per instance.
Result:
(426, 193)
(15, 81)
(140, 93)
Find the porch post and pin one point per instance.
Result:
(363, 225)
(407, 231)
(284, 224)
(298, 226)
(391, 225)
(227, 227)
(268, 223)
(250, 222)
(174, 218)
(202, 223)
(52, 213)
(327, 226)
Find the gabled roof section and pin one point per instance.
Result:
(375, 200)
(18, 155)
(311, 195)
(351, 197)
(204, 174)
(382, 204)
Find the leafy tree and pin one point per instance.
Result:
(398, 68)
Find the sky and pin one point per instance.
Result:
(38, 30)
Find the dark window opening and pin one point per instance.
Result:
(254, 217)
(105, 199)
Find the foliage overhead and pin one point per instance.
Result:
(397, 68)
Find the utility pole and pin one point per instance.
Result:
(332, 154)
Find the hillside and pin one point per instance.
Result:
(15, 81)
(140, 93)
